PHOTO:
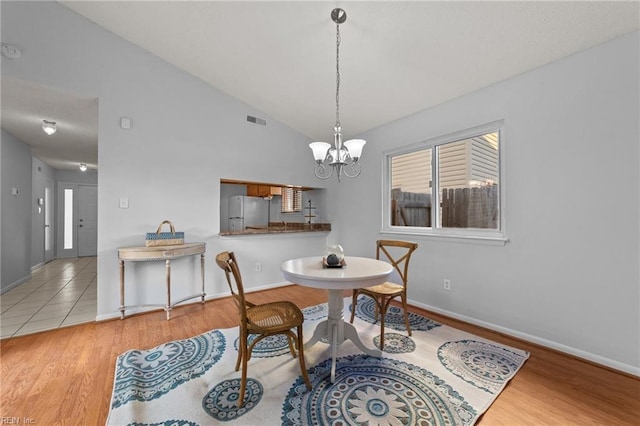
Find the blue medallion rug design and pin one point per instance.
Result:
(482, 364)
(146, 375)
(366, 311)
(267, 347)
(437, 376)
(167, 423)
(395, 343)
(221, 402)
(317, 312)
(374, 391)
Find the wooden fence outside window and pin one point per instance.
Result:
(476, 207)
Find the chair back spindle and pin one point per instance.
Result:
(398, 253)
(228, 263)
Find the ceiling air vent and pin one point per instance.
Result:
(256, 120)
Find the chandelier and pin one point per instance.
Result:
(342, 157)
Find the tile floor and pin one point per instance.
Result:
(63, 292)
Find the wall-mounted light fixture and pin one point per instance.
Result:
(83, 167)
(49, 127)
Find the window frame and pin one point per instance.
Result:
(492, 236)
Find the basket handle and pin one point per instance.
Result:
(173, 230)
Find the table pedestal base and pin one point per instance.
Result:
(337, 331)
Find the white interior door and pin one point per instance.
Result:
(87, 220)
(48, 221)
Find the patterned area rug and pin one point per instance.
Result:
(438, 376)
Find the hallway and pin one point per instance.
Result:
(61, 293)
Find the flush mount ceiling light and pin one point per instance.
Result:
(342, 157)
(49, 127)
(83, 167)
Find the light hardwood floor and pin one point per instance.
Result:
(65, 376)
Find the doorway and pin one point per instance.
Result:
(77, 220)
(76, 142)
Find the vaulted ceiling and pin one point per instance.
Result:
(396, 58)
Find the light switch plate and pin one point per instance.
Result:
(125, 123)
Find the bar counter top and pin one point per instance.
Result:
(281, 228)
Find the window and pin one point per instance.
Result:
(449, 186)
(68, 219)
(291, 200)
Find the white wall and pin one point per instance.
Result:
(16, 214)
(89, 177)
(569, 276)
(185, 136)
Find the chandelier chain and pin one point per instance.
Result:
(337, 75)
(342, 158)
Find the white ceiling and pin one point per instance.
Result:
(396, 58)
(26, 104)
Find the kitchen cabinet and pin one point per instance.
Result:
(255, 190)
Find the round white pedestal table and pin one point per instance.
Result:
(358, 272)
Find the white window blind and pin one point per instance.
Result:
(291, 200)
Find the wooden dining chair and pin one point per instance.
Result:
(263, 320)
(398, 253)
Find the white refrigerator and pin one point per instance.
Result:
(248, 212)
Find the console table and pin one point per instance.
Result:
(166, 253)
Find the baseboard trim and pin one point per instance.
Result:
(578, 353)
(36, 267)
(15, 283)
